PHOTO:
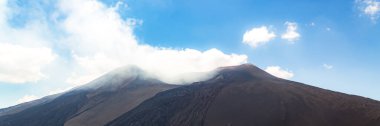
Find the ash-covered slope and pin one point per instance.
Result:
(26, 105)
(247, 96)
(94, 104)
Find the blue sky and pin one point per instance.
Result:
(334, 44)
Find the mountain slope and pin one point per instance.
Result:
(94, 104)
(245, 95)
(26, 105)
(105, 107)
(237, 96)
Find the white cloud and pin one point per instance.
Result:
(327, 66)
(3, 11)
(258, 36)
(291, 33)
(312, 24)
(279, 72)
(27, 98)
(59, 90)
(371, 8)
(24, 51)
(101, 41)
(19, 64)
(134, 22)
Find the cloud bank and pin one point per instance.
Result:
(19, 64)
(23, 51)
(98, 40)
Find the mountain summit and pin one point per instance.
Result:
(247, 96)
(241, 95)
(93, 104)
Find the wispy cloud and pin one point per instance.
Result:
(312, 24)
(27, 98)
(291, 33)
(327, 66)
(370, 8)
(328, 29)
(24, 51)
(279, 72)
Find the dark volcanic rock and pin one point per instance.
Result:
(237, 96)
(247, 96)
(26, 105)
(94, 104)
(106, 106)
(54, 113)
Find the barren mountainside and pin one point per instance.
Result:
(94, 104)
(241, 95)
(247, 96)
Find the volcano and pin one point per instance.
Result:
(241, 95)
(248, 96)
(93, 104)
